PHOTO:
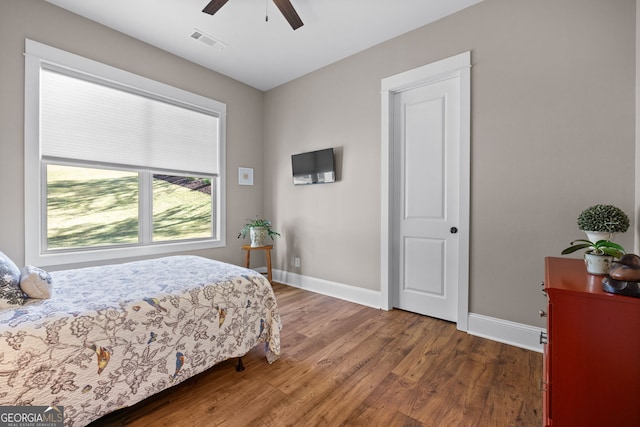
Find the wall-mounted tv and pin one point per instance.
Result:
(314, 167)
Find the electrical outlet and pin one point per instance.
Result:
(296, 262)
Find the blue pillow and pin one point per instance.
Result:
(11, 295)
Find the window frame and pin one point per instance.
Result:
(38, 55)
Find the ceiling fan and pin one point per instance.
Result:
(285, 7)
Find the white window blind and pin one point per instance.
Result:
(85, 120)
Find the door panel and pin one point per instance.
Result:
(417, 279)
(426, 148)
(423, 166)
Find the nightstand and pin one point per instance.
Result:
(266, 248)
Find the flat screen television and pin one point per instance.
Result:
(314, 167)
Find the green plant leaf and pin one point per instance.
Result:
(572, 249)
(608, 244)
(583, 241)
(612, 252)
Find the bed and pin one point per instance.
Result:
(111, 336)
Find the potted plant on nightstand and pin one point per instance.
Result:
(258, 230)
(600, 223)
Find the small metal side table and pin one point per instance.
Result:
(266, 248)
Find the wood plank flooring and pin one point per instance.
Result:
(343, 364)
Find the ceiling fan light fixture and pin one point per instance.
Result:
(285, 6)
(289, 13)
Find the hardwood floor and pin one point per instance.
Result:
(345, 364)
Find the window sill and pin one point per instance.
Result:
(69, 259)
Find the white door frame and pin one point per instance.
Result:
(456, 66)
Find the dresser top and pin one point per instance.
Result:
(570, 275)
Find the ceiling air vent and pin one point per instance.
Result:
(208, 40)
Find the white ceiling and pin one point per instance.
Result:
(259, 53)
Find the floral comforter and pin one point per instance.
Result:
(113, 335)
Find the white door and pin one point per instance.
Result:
(425, 198)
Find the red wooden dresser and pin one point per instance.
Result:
(592, 351)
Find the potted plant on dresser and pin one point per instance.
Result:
(258, 229)
(600, 223)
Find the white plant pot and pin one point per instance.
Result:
(258, 236)
(598, 264)
(594, 236)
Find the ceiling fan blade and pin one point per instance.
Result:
(214, 6)
(289, 13)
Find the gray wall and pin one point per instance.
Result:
(43, 22)
(552, 133)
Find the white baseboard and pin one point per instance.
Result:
(333, 289)
(504, 331)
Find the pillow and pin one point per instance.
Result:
(11, 295)
(35, 282)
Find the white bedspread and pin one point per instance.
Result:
(114, 335)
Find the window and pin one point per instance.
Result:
(117, 165)
(89, 207)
